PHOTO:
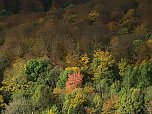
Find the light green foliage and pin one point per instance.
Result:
(63, 78)
(132, 102)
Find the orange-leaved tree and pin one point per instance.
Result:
(74, 81)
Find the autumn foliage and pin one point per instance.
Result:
(73, 81)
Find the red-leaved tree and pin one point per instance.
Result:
(74, 81)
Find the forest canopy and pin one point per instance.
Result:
(75, 57)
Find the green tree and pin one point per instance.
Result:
(132, 102)
(36, 68)
(63, 78)
(138, 76)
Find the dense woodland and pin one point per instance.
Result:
(75, 56)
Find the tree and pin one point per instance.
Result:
(73, 103)
(132, 102)
(74, 81)
(101, 63)
(36, 68)
(138, 76)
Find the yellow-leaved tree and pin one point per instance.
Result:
(101, 63)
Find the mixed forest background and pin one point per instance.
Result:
(76, 56)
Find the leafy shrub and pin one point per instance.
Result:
(36, 68)
(54, 110)
(115, 88)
